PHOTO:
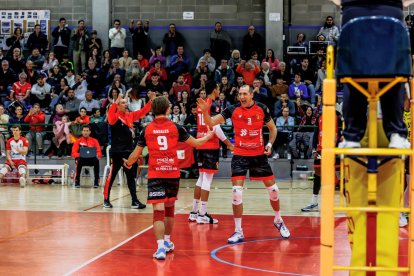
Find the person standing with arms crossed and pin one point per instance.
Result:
(161, 137)
(121, 123)
(250, 154)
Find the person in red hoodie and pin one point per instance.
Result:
(36, 119)
(86, 141)
(248, 70)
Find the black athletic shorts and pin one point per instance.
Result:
(163, 189)
(258, 167)
(208, 160)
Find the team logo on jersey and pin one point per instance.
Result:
(243, 132)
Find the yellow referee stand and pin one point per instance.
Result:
(372, 177)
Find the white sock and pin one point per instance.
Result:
(203, 209)
(278, 217)
(167, 238)
(195, 205)
(160, 243)
(315, 199)
(237, 222)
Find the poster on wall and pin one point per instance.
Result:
(24, 19)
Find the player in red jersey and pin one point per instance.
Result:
(208, 160)
(250, 154)
(161, 137)
(16, 151)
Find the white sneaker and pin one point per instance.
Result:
(398, 142)
(236, 237)
(403, 220)
(349, 144)
(206, 219)
(276, 156)
(22, 182)
(280, 225)
(193, 216)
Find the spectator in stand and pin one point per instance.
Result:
(94, 43)
(143, 62)
(96, 117)
(159, 70)
(133, 101)
(61, 39)
(308, 78)
(329, 30)
(177, 89)
(179, 63)
(157, 55)
(202, 94)
(259, 92)
(282, 73)
(224, 70)
(134, 74)
(83, 118)
(297, 89)
(208, 59)
(266, 73)
(20, 91)
(91, 75)
(255, 58)
(117, 35)
(235, 59)
(115, 70)
(17, 61)
(321, 75)
(41, 92)
(279, 88)
(284, 125)
(125, 60)
(282, 103)
(106, 63)
(140, 40)
(36, 119)
(222, 102)
(79, 37)
(38, 40)
(220, 43)
(58, 92)
(153, 85)
(54, 77)
(191, 119)
(86, 141)
(116, 83)
(50, 62)
(17, 116)
(252, 42)
(316, 61)
(37, 58)
(71, 104)
(301, 40)
(66, 65)
(201, 68)
(225, 87)
(112, 96)
(172, 39)
(4, 121)
(272, 60)
(200, 84)
(15, 41)
(185, 102)
(89, 103)
(70, 77)
(176, 116)
(94, 55)
(7, 78)
(61, 130)
(248, 70)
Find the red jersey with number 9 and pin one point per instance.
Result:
(162, 136)
(202, 128)
(248, 127)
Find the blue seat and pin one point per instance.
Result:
(373, 46)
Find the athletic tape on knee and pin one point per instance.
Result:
(237, 195)
(169, 211)
(4, 170)
(199, 182)
(207, 179)
(22, 170)
(273, 192)
(158, 215)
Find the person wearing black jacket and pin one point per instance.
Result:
(61, 39)
(139, 38)
(38, 40)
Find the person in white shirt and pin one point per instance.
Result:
(40, 92)
(117, 36)
(89, 103)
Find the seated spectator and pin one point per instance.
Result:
(106, 63)
(259, 92)
(224, 70)
(31, 72)
(117, 84)
(4, 134)
(70, 104)
(147, 119)
(37, 58)
(282, 73)
(125, 60)
(134, 74)
(54, 77)
(266, 73)
(143, 62)
(83, 118)
(248, 70)
(176, 116)
(179, 63)
(7, 78)
(20, 91)
(96, 116)
(185, 102)
(308, 78)
(200, 84)
(272, 60)
(209, 60)
(112, 96)
(235, 59)
(41, 92)
(17, 116)
(50, 62)
(80, 87)
(36, 119)
(157, 55)
(282, 103)
(279, 88)
(95, 56)
(298, 90)
(301, 40)
(66, 65)
(70, 77)
(159, 70)
(153, 85)
(321, 75)
(91, 76)
(225, 87)
(284, 124)
(86, 141)
(114, 69)
(134, 102)
(89, 103)
(177, 89)
(255, 58)
(59, 91)
(17, 61)
(191, 119)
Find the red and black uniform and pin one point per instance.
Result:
(121, 124)
(208, 154)
(161, 137)
(249, 143)
(80, 162)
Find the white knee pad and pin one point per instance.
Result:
(200, 179)
(4, 170)
(22, 170)
(273, 192)
(207, 179)
(237, 195)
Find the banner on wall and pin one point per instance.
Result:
(24, 19)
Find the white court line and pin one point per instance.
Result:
(107, 251)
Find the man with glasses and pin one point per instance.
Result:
(117, 35)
